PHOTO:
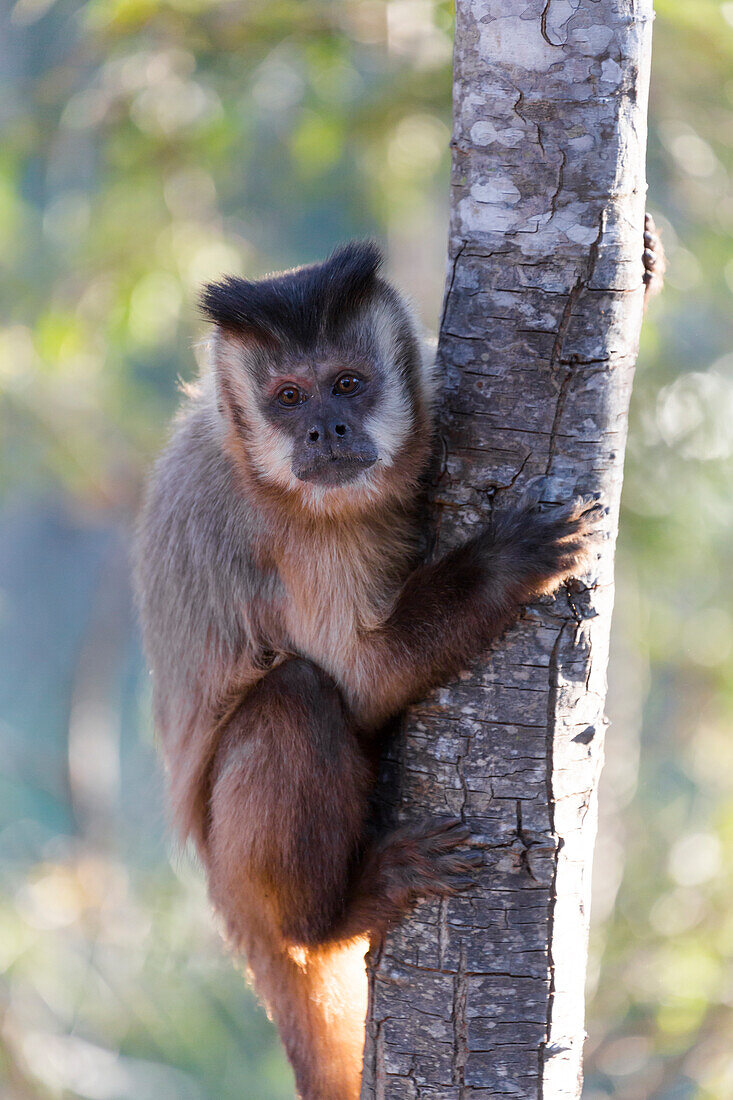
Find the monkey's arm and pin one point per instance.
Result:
(450, 611)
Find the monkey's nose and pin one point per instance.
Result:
(325, 432)
(336, 429)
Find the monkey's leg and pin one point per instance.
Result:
(292, 874)
(289, 794)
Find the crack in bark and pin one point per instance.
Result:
(487, 255)
(553, 682)
(405, 965)
(556, 357)
(443, 933)
(560, 179)
(491, 491)
(543, 25)
(449, 291)
(528, 121)
(525, 842)
(375, 1069)
(464, 788)
(559, 409)
(460, 1026)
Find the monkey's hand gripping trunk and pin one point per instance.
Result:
(450, 611)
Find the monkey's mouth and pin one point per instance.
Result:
(334, 470)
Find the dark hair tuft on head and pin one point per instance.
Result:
(296, 307)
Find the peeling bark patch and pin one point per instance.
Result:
(586, 736)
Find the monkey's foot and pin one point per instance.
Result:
(653, 258)
(420, 862)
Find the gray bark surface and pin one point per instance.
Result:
(482, 995)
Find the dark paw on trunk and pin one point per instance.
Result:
(653, 258)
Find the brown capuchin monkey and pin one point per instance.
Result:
(287, 618)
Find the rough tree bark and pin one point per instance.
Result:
(482, 995)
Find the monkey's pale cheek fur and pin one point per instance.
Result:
(287, 620)
(272, 454)
(390, 426)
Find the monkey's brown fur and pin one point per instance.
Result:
(286, 620)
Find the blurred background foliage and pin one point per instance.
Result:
(151, 144)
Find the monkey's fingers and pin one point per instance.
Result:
(652, 257)
(443, 834)
(424, 860)
(581, 515)
(445, 875)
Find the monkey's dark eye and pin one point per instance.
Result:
(289, 396)
(346, 384)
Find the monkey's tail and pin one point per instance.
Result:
(317, 998)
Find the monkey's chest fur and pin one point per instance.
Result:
(336, 588)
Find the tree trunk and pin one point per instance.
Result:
(482, 995)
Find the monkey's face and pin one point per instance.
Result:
(326, 424)
(323, 413)
(321, 381)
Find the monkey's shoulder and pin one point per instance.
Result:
(199, 574)
(194, 499)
